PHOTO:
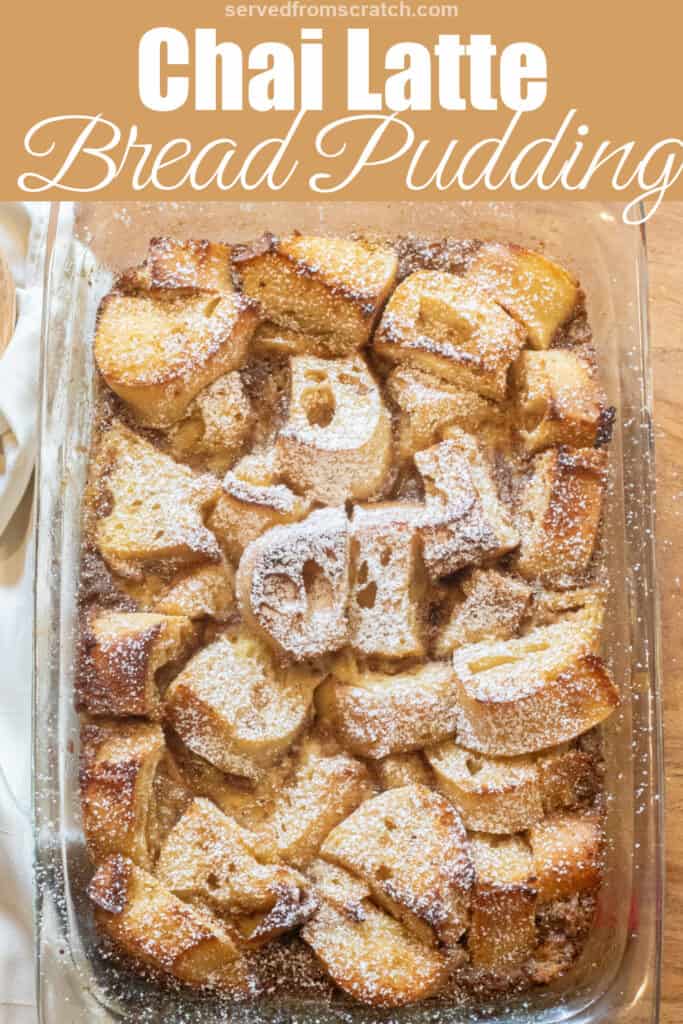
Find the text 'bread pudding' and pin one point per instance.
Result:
(340, 667)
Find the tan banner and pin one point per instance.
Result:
(479, 99)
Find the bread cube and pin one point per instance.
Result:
(217, 424)
(385, 601)
(325, 789)
(336, 443)
(537, 292)
(186, 266)
(497, 795)
(293, 584)
(156, 929)
(380, 714)
(567, 777)
(367, 953)
(252, 500)
(567, 853)
(235, 707)
(427, 405)
(118, 765)
(205, 592)
(502, 933)
(330, 289)
(209, 859)
(124, 657)
(464, 521)
(150, 508)
(397, 770)
(492, 608)
(561, 507)
(156, 352)
(410, 846)
(522, 695)
(446, 326)
(559, 400)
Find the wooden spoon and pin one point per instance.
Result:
(8, 304)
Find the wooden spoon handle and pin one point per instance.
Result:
(8, 304)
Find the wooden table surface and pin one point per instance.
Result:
(665, 243)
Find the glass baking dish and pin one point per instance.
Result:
(617, 978)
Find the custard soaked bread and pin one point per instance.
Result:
(340, 662)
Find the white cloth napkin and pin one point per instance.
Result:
(21, 226)
(23, 240)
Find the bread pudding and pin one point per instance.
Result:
(340, 670)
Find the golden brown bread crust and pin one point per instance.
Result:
(371, 956)
(560, 513)
(502, 933)
(118, 764)
(539, 293)
(378, 714)
(122, 654)
(328, 289)
(186, 943)
(442, 324)
(208, 859)
(157, 352)
(149, 511)
(410, 847)
(526, 694)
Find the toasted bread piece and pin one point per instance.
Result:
(561, 506)
(427, 405)
(497, 795)
(538, 293)
(492, 608)
(156, 352)
(155, 518)
(207, 591)
(216, 426)
(330, 289)
(444, 325)
(118, 764)
(124, 655)
(293, 584)
(502, 933)
(502, 795)
(156, 929)
(367, 953)
(537, 691)
(559, 400)
(253, 499)
(184, 267)
(381, 714)
(464, 521)
(567, 852)
(387, 589)
(568, 777)
(209, 859)
(410, 846)
(402, 770)
(326, 787)
(336, 443)
(235, 707)
(200, 591)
